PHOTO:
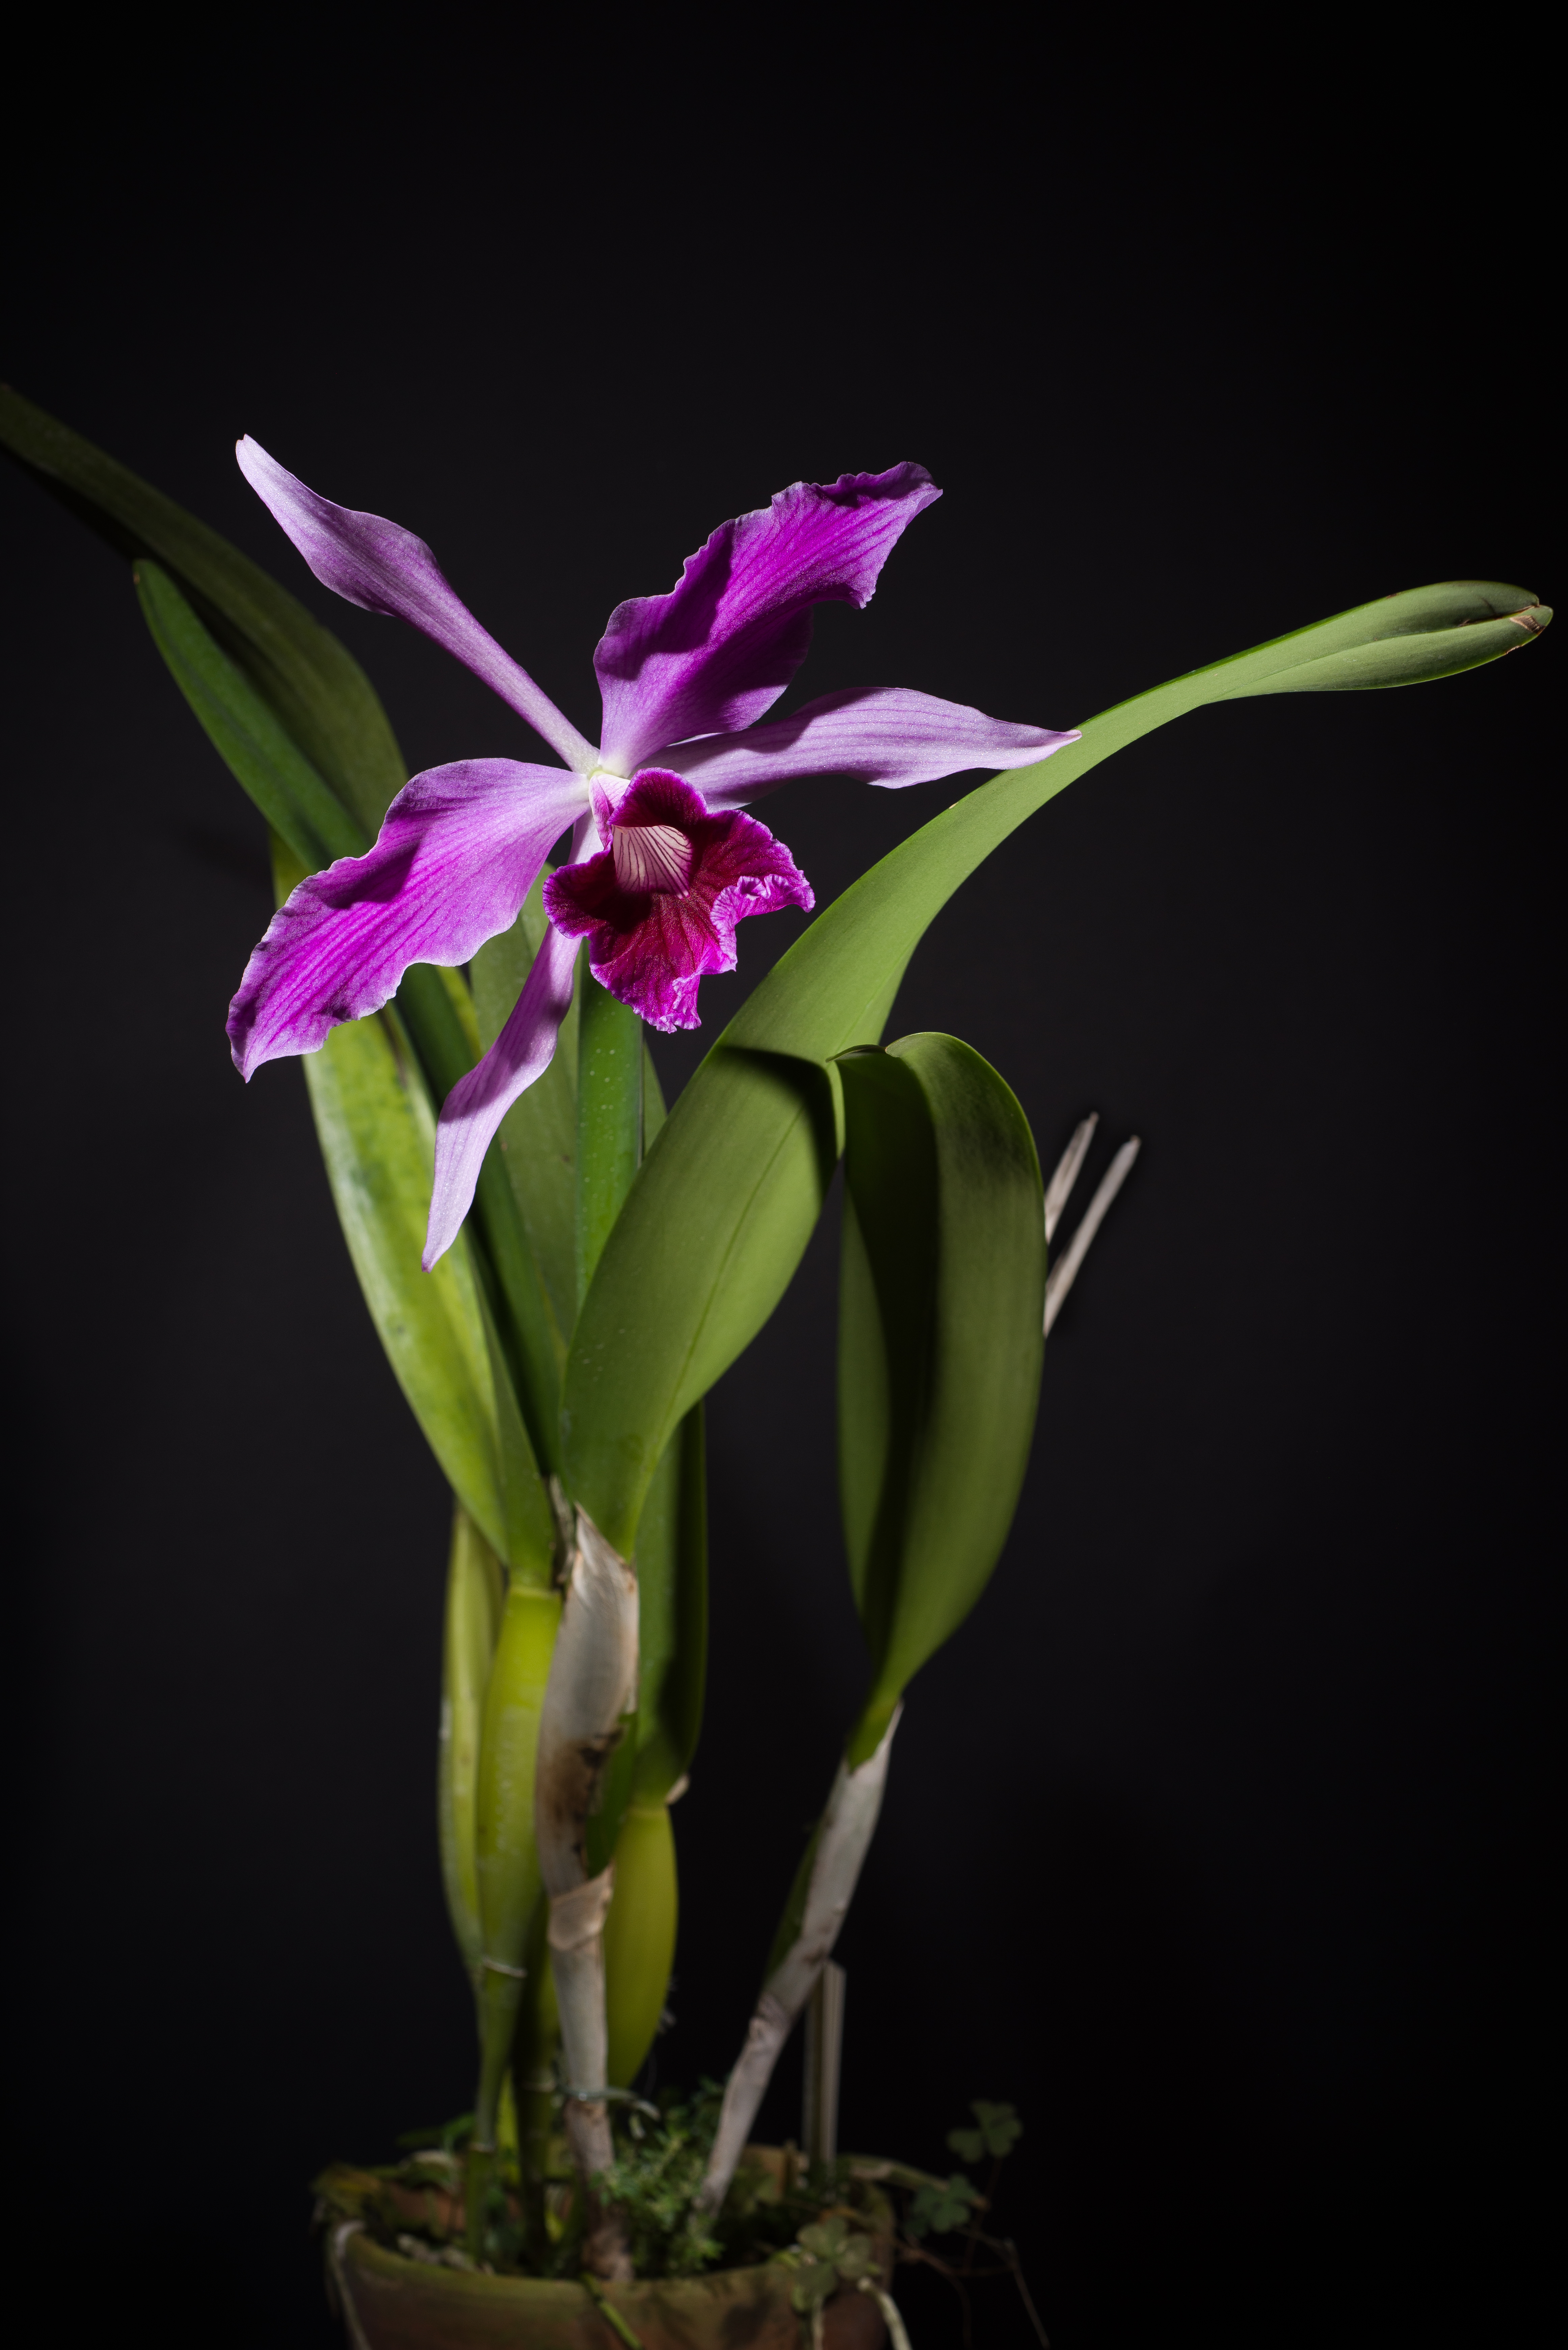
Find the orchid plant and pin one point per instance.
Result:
(559, 1270)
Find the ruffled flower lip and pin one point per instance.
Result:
(659, 903)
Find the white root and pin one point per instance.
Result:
(1059, 1188)
(1064, 1272)
(890, 2311)
(591, 1690)
(848, 1826)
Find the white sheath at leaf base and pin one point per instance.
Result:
(591, 1690)
(578, 1960)
(848, 1826)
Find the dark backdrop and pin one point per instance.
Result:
(1215, 1838)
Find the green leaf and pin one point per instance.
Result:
(856, 2258)
(723, 1208)
(473, 1601)
(815, 2280)
(299, 725)
(673, 1301)
(246, 734)
(438, 1010)
(376, 1126)
(318, 690)
(999, 2132)
(436, 1005)
(941, 2208)
(672, 1607)
(941, 1307)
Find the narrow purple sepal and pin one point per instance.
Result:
(477, 1103)
(384, 569)
(459, 851)
(721, 648)
(886, 735)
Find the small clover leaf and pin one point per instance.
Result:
(999, 2132)
(999, 2127)
(814, 2280)
(942, 2207)
(856, 2259)
(823, 2239)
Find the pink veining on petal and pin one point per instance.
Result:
(651, 944)
(719, 649)
(459, 851)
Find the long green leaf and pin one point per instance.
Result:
(317, 690)
(247, 735)
(299, 725)
(941, 1306)
(724, 1203)
(436, 1005)
(473, 1601)
(377, 1131)
(672, 1613)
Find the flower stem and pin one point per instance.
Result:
(609, 1119)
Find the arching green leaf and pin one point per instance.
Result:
(714, 1226)
(245, 732)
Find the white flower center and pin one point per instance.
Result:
(652, 857)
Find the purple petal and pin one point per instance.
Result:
(459, 849)
(887, 735)
(661, 911)
(378, 565)
(721, 648)
(477, 1103)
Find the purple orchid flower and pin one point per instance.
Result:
(663, 865)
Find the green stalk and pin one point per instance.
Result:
(473, 1606)
(533, 2082)
(609, 1119)
(507, 1854)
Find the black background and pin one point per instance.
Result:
(1216, 1838)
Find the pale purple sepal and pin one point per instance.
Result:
(477, 1103)
(660, 913)
(459, 851)
(888, 735)
(721, 648)
(378, 565)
